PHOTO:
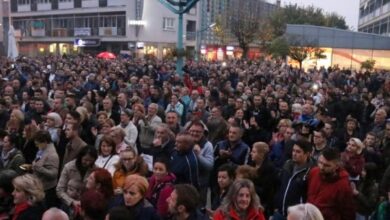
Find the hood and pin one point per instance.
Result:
(168, 178)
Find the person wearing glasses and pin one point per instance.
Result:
(129, 163)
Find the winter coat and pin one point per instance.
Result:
(252, 214)
(239, 153)
(265, 175)
(185, 166)
(159, 191)
(33, 212)
(333, 197)
(353, 163)
(70, 172)
(15, 160)
(293, 188)
(46, 167)
(142, 210)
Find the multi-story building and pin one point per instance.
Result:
(138, 26)
(374, 16)
(212, 10)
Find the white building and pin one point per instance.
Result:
(139, 26)
(374, 17)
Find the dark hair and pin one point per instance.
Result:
(371, 134)
(110, 141)
(42, 136)
(331, 154)
(119, 213)
(6, 177)
(93, 204)
(76, 115)
(103, 177)
(304, 145)
(187, 196)
(229, 169)
(163, 160)
(13, 138)
(88, 150)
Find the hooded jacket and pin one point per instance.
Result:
(159, 191)
(333, 197)
(293, 186)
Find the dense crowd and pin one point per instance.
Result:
(92, 139)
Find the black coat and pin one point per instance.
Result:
(34, 212)
(293, 188)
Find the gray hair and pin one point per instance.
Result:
(305, 211)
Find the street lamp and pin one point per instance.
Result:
(199, 39)
(179, 7)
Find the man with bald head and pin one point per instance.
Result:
(55, 213)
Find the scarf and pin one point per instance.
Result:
(7, 156)
(20, 208)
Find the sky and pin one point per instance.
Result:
(346, 8)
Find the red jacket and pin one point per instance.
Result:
(353, 163)
(253, 214)
(334, 197)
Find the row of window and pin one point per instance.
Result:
(379, 27)
(371, 6)
(117, 21)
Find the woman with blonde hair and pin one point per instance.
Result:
(240, 203)
(28, 197)
(305, 211)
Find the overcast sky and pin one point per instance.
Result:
(347, 8)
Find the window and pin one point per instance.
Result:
(65, 0)
(168, 23)
(44, 1)
(23, 2)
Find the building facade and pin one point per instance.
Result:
(138, 27)
(342, 48)
(211, 46)
(374, 17)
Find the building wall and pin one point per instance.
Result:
(374, 16)
(109, 23)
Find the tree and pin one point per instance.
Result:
(244, 20)
(368, 64)
(279, 48)
(294, 14)
(220, 29)
(301, 50)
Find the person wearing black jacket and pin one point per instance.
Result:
(293, 179)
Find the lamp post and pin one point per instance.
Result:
(199, 40)
(179, 7)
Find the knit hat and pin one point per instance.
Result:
(136, 180)
(56, 118)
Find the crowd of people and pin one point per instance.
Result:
(93, 139)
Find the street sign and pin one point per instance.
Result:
(86, 42)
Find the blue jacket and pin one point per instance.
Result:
(239, 156)
(185, 166)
